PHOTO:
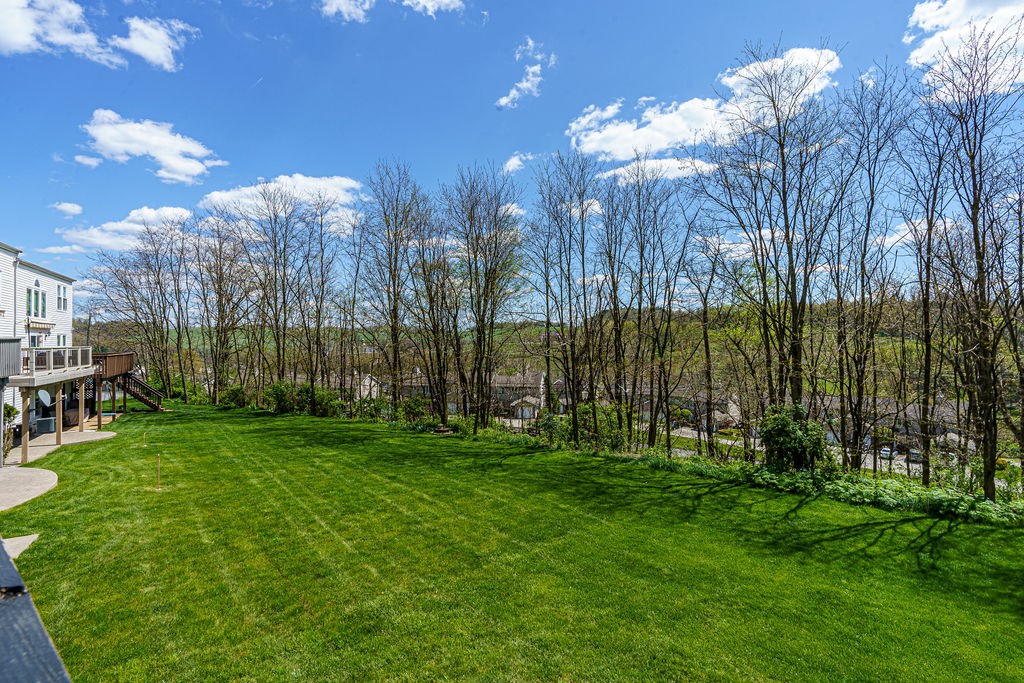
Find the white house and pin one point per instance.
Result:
(36, 307)
(35, 302)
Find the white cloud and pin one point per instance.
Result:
(432, 7)
(88, 287)
(64, 249)
(797, 75)
(669, 169)
(50, 26)
(155, 40)
(181, 159)
(85, 160)
(350, 10)
(56, 26)
(69, 209)
(588, 209)
(357, 10)
(343, 191)
(513, 210)
(529, 50)
(529, 84)
(944, 25)
(339, 188)
(517, 161)
(869, 78)
(661, 128)
(902, 234)
(123, 234)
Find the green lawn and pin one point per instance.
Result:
(305, 549)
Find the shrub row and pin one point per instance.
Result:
(888, 494)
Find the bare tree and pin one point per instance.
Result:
(223, 294)
(925, 157)
(320, 225)
(481, 207)
(978, 85)
(435, 296)
(268, 225)
(396, 207)
(777, 182)
(859, 263)
(567, 188)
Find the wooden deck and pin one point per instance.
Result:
(114, 364)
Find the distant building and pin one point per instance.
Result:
(510, 391)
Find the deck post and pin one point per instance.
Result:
(97, 384)
(124, 394)
(81, 404)
(60, 413)
(26, 396)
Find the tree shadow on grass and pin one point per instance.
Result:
(946, 555)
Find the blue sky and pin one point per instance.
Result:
(119, 112)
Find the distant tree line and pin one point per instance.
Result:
(858, 252)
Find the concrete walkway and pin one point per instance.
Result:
(21, 484)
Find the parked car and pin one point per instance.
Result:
(915, 456)
(885, 454)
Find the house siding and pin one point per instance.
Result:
(15, 276)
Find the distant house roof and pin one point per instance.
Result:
(526, 401)
(525, 379)
(887, 408)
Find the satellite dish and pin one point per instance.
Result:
(44, 397)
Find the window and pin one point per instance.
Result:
(62, 340)
(34, 341)
(35, 301)
(62, 297)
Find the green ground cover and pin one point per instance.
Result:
(309, 549)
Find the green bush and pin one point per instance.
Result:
(460, 425)
(282, 398)
(889, 494)
(318, 401)
(376, 409)
(10, 412)
(554, 429)
(423, 425)
(414, 408)
(236, 397)
(791, 441)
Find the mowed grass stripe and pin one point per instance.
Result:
(296, 548)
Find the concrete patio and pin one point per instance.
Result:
(44, 444)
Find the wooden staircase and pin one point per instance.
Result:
(143, 392)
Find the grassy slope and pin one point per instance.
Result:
(314, 549)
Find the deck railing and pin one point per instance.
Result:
(115, 364)
(10, 357)
(36, 361)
